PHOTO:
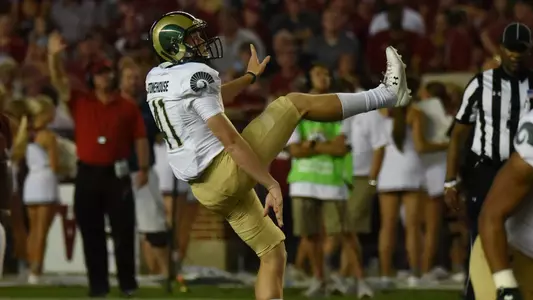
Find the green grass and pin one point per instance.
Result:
(206, 293)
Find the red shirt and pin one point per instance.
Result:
(376, 45)
(119, 123)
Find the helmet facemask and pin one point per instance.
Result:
(200, 44)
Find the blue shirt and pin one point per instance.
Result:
(151, 132)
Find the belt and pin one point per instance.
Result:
(486, 161)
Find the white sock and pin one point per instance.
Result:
(2, 248)
(356, 103)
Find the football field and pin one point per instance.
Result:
(206, 293)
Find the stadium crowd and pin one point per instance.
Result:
(317, 46)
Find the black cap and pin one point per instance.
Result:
(516, 37)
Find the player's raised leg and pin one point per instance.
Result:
(334, 107)
(268, 133)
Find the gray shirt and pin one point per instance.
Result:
(328, 54)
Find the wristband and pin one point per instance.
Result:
(254, 77)
(372, 182)
(504, 279)
(450, 184)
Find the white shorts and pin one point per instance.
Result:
(434, 166)
(166, 176)
(400, 171)
(149, 205)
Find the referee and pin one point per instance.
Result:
(492, 105)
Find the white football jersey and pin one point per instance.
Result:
(182, 98)
(520, 224)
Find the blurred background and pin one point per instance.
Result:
(443, 41)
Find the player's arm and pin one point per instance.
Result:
(255, 68)
(210, 110)
(58, 76)
(239, 150)
(233, 88)
(422, 145)
(465, 118)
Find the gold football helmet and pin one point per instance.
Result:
(179, 37)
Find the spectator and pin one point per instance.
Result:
(494, 24)
(523, 12)
(284, 79)
(130, 39)
(85, 54)
(301, 23)
(106, 127)
(332, 43)
(41, 190)
(195, 8)
(403, 40)
(252, 21)
(232, 38)
(149, 205)
(73, 18)
(10, 87)
(346, 71)
(411, 20)
(27, 15)
(437, 38)
(317, 196)
(460, 46)
(11, 44)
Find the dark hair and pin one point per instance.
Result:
(344, 86)
(455, 17)
(89, 77)
(438, 90)
(308, 82)
(399, 124)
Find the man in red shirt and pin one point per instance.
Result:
(106, 126)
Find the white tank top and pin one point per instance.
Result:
(36, 158)
(438, 122)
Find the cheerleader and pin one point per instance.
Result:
(430, 126)
(400, 181)
(40, 190)
(187, 207)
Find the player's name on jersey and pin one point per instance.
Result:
(157, 87)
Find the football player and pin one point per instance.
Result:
(222, 166)
(505, 227)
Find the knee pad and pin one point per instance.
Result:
(157, 239)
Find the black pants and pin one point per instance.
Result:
(478, 178)
(99, 193)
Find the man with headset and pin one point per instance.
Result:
(106, 125)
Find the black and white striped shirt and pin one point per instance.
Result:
(495, 101)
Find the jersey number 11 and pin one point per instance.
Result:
(158, 106)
